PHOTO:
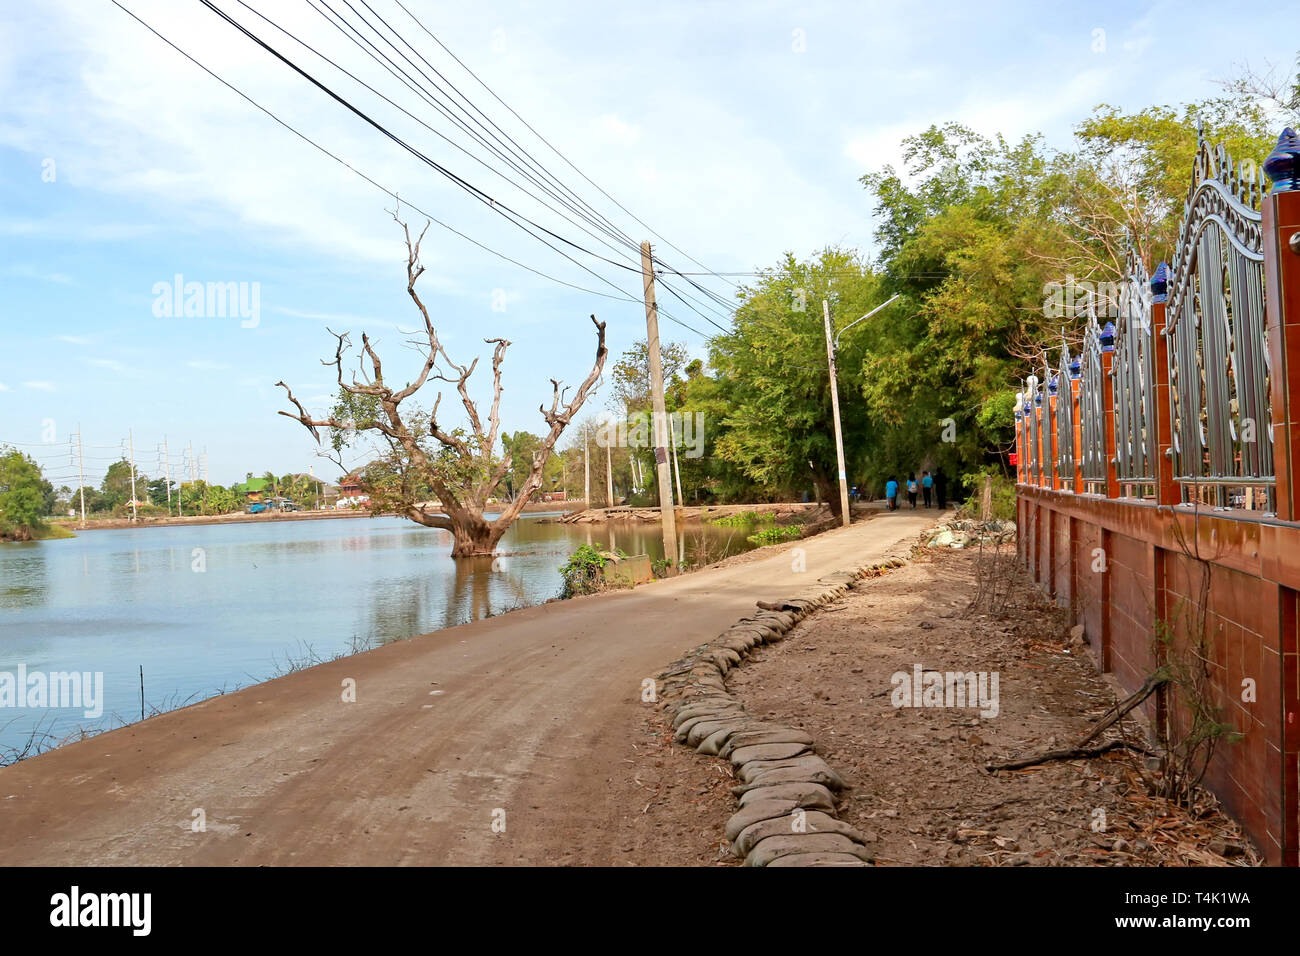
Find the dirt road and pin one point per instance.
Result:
(521, 721)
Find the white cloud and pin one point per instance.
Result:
(614, 130)
(40, 386)
(207, 366)
(74, 339)
(26, 271)
(4, 387)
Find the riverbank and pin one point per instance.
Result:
(237, 517)
(786, 512)
(513, 739)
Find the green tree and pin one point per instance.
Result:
(115, 489)
(631, 373)
(25, 495)
(778, 429)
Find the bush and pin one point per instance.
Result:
(743, 519)
(776, 534)
(584, 571)
(1004, 496)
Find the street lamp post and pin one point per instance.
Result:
(832, 345)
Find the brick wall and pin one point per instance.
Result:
(1249, 614)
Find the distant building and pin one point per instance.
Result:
(351, 494)
(253, 490)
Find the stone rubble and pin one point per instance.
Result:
(965, 533)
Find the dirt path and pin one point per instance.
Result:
(532, 718)
(918, 787)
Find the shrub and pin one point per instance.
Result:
(743, 519)
(776, 534)
(584, 571)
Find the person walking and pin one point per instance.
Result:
(891, 493)
(940, 489)
(912, 487)
(926, 485)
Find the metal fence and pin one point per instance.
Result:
(1091, 425)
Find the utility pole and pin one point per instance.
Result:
(130, 438)
(831, 345)
(663, 478)
(167, 475)
(586, 466)
(81, 471)
(677, 470)
(835, 408)
(609, 477)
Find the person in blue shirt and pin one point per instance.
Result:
(912, 489)
(926, 484)
(891, 493)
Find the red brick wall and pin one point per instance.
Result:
(1251, 619)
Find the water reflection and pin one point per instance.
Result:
(116, 600)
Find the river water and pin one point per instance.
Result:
(211, 608)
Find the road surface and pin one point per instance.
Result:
(522, 719)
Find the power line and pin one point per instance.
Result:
(415, 86)
(507, 212)
(288, 126)
(547, 142)
(307, 139)
(417, 119)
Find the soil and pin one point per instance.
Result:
(918, 787)
(531, 719)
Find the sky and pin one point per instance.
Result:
(734, 131)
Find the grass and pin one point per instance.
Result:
(47, 531)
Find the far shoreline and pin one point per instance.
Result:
(240, 517)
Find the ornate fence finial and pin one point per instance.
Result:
(1160, 282)
(1283, 164)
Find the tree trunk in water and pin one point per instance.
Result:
(472, 536)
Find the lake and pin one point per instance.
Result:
(211, 608)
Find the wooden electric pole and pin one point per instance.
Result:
(835, 408)
(130, 437)
(663, 473)
(609, 477)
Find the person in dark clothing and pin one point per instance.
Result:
(926, 482)
(912, 487)
(940, 489)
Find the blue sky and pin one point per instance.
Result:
(736, 130)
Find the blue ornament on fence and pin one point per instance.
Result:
(1283, 164)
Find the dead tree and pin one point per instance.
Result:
(460, 468)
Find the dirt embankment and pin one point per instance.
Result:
(241, 517)
(918, 786)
